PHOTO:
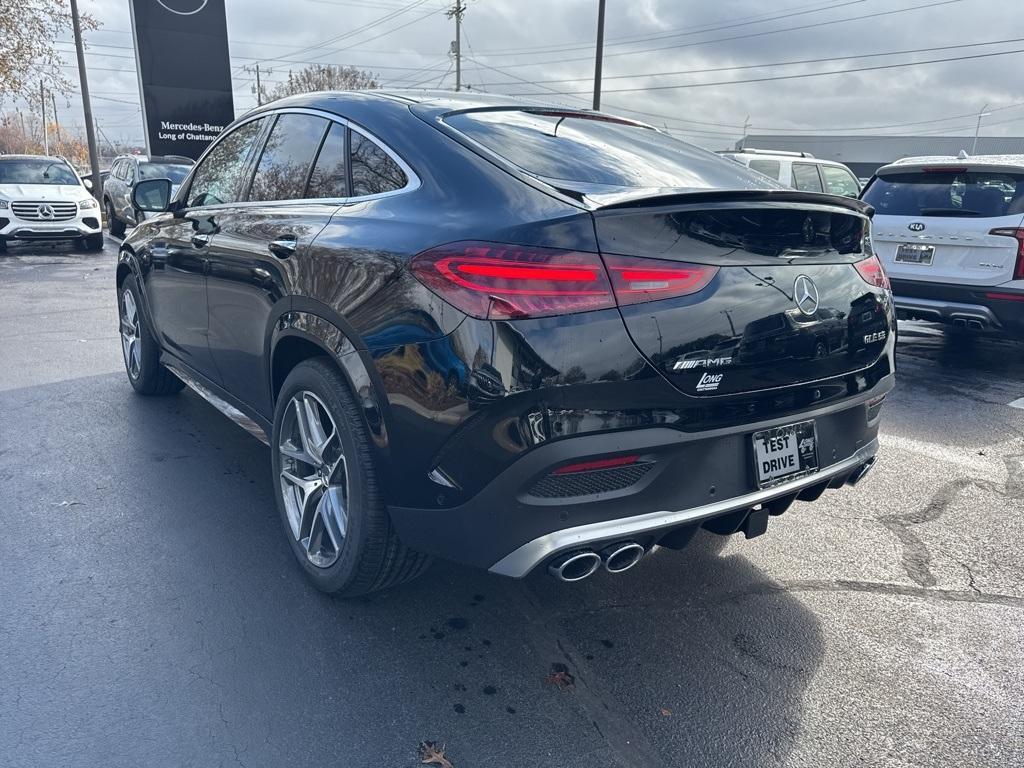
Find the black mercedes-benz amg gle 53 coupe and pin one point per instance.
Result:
(508, 334)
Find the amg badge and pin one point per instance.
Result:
(709, 382)
(704, 362)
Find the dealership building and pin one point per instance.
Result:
(864, 154)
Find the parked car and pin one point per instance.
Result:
(43, 198)
(464, 326)
(799, 170)
(127, 171)
(950, 231)
(87, 179)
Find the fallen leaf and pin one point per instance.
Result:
(666, 712)
(433, 754)
(560, 679)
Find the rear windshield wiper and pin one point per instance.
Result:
(948, 212)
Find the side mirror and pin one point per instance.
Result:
(87, 183)
(152, 195)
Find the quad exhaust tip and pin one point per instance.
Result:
(621, 557)
(575, 567)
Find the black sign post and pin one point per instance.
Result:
(181, 51)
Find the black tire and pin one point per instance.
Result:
(370, 556)
(3, 246)
(150, 378)
(114, 225)
(92, 242)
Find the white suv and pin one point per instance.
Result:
(799, 170)
(950, 232)
(42, 198)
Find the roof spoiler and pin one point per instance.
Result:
(755, 196)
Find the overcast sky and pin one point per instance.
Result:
(507, 42)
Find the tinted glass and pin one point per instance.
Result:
(592, 151)
(35, 171)
(176, 173)
(948, 193)
(130, 173)
(330, 174)
(769, 168)
(805, 177)
(287, 156)
(839, 181)
(373, 171)
(219, 175)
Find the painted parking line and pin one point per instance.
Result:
(1018, 403)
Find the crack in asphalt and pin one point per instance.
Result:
(882, 588)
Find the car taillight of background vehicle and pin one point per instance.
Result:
(1018, 270)
(494, 281)
(871, 271)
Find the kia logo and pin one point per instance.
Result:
(805, 294)
(915, 226)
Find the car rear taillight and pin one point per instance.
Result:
(1018, 269)
(494, 281)
(638, 280)
(871, 271)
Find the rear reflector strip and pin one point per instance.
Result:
(1005, 296)
(590, 466)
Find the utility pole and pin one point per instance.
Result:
(259, 87)
(56, 120)
(46, 130)
(746, 127)
(977, 128)
(600, 54)
(90, 132)
(456, 13)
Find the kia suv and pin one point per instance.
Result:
(507, 334)
(125, 172)
(950, 231)
(43, 198)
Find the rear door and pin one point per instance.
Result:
(253, 254)
(934, 224)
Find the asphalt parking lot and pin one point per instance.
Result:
(152, 614)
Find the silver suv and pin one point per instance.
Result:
(125, 173)
(799, 170)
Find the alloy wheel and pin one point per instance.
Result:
(314, 478)
(130, 332)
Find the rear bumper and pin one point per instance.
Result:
(693, 477)
(980, 308)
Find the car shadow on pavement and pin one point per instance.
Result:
(154, 607)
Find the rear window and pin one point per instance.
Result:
(565, 146)
(982, 194)
(176, 173)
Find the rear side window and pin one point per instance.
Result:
(982, 194)
(287, 156)
(805, 177)
(330, 174)
(373, 170)
(218, 178)
(839, 181)
(588, 150)
(768, 167)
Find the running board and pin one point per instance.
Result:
(223, 406)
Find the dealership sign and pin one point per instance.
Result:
(181, 51)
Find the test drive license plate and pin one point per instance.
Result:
(785, 452)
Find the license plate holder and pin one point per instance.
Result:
(784, 453)
(914, 253)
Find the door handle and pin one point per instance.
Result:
(284, 247)
(200, 240)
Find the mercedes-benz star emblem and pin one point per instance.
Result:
(916, 226)
(45, 211)
(805, 294)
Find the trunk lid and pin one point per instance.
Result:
(754, 326)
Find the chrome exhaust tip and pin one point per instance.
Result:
(621, 557)
(858, 474)
(976, 325)
(575, 567)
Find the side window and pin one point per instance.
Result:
(330, 174)
(767, 167)
(219, 175)
(839, 181)
(805, 177)
(129, 175)
(284, 165)
(373, 170)
(115, 171)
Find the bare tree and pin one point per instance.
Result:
(29, 30)
(325, 77)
